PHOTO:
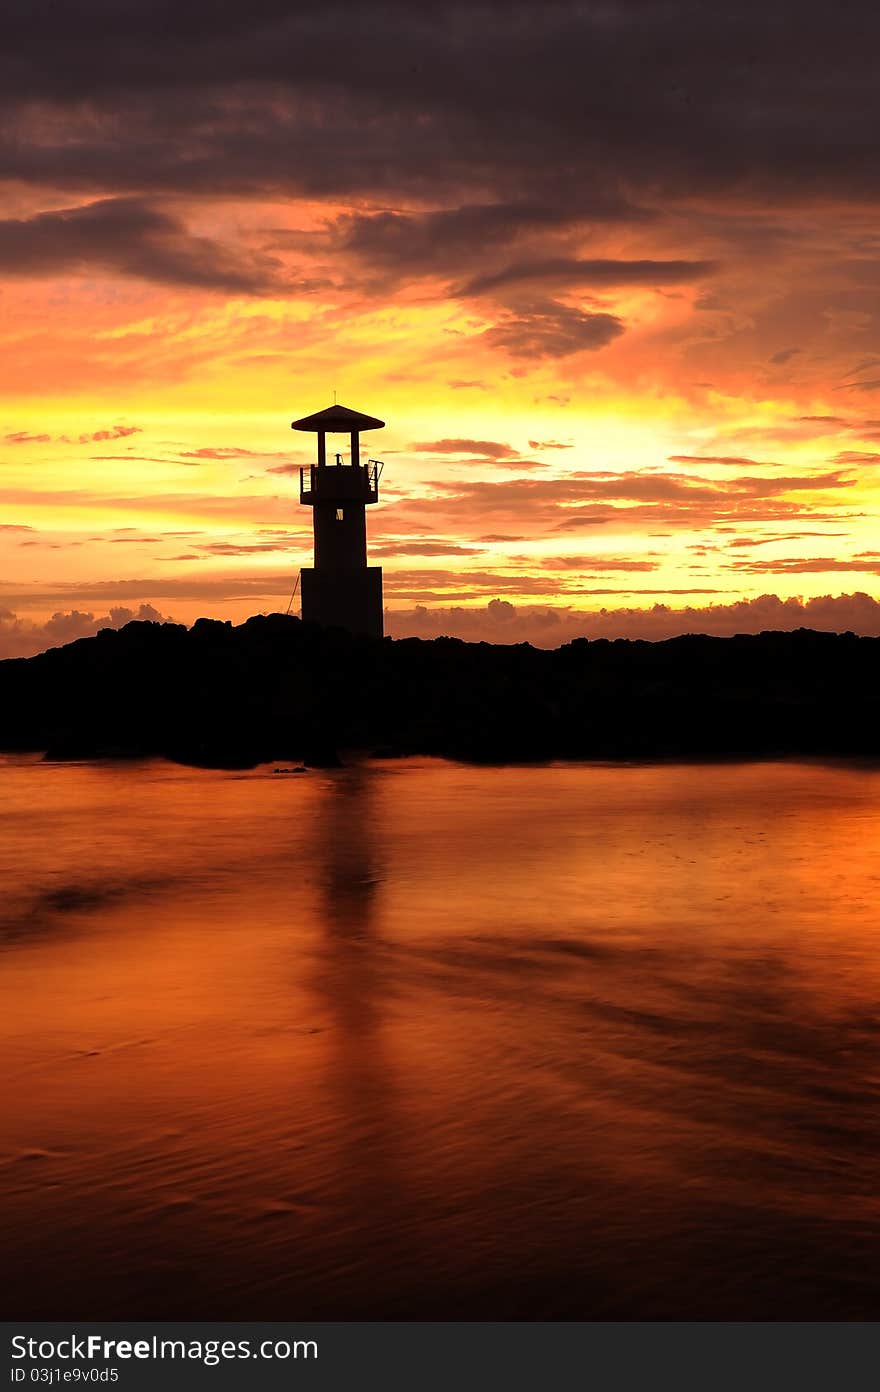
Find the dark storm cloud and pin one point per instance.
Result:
(676, 91)
(583, 106)
(128, 237)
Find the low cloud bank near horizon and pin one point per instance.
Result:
(544, 627)
(501, 622)
(23, 637)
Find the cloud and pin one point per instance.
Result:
(779, 536)
(566, 272)
(779, 432)
(639, 486)
(628, 499)
(552, 330)
(434, 242)
(809, 565)
(243, 507)
(115, 432)
(477, 452)
(212, 587)
(735, 460)
(423, 548)
(500, 621)
(22, 637)
(871, 385)
(489, 449)
(129, 237)
(222, 452)
(129, 540)
(252, 548)
(595, 565)
(207, 99)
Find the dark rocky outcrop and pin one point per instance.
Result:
(275, 689)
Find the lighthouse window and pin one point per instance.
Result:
(339, 515)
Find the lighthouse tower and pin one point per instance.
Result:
(341, 589)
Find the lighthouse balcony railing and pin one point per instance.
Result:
(334, 485)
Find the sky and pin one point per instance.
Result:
(609, 272)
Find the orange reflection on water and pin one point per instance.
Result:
(414, 1039)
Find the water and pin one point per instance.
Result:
(421, 1040)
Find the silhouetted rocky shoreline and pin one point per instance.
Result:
(274, 689)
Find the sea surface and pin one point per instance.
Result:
(418, 1040)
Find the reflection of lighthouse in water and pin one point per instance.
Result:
(351, 976)
(375, 1253)
(349, 855)
(350, 972)
(341, 589)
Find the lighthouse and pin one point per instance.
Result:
(341, 589)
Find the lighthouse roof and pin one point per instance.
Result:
(337, 418)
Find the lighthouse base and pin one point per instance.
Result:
(349, 599)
